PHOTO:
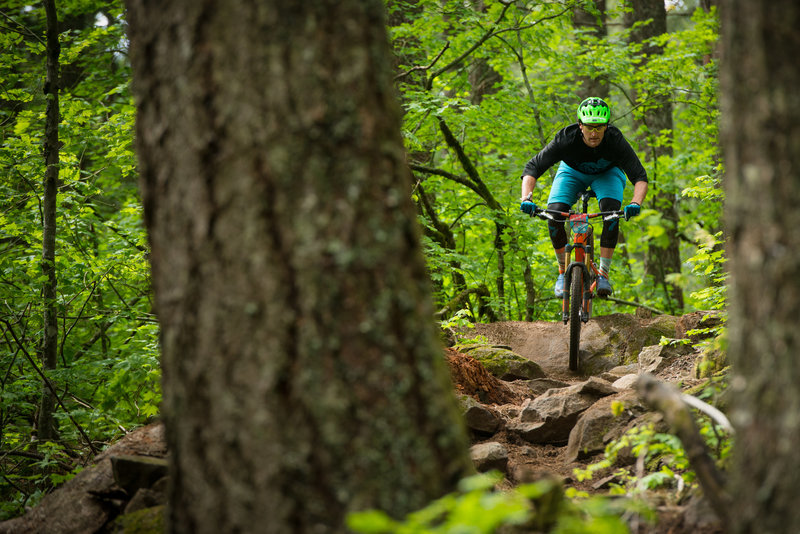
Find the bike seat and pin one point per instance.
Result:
(589, 193)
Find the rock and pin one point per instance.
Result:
(132, 473)
(595, 386)
(145, 498)
(619, 371)
(626, 382)
(540, 385)
(598, 425)
(479, 418)
(656, 358)
(488, 456)
(550, 417)
(146, 520)
(503, 363)
(619, 338)
(606, 341)
(711, 362)
(698, 320)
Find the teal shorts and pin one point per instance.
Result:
(569, 183)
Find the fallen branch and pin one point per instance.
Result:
(636, 304)
(669, 401)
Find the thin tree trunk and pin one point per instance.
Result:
(760, 127)
(657, 119)
(303, 376)
(594, 24)
(49, 343)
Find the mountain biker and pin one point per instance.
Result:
(592, 153)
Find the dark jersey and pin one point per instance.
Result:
(568, 146)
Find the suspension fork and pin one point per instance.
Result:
(582, 252)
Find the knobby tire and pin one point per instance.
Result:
(575, 303)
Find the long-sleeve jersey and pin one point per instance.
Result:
(568, 146)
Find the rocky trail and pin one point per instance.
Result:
(528, 416)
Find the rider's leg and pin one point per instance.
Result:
(567, 185)
(558, 237)
(608, 242)
(609, 188)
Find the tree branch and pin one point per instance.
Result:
(668, 400)
(430, 65)
(445, 174)
(49, 385)
(453, 64)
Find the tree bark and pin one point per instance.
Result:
(760, 126)
(303, 377)
(593, 24)
(49, 345)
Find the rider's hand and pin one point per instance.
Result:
(528, 207)
(632, 210)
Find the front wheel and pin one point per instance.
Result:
(575, 303)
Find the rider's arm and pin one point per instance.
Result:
(551, 154)
(639, 192)
(528, 183)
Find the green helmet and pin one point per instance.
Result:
(594, 110)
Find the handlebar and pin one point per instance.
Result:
(551, 214)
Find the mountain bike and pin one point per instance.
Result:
(580, 277)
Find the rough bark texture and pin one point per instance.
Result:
(302, 373)
(46, 426)
(594, 24)
(660, 261)
(761, 141)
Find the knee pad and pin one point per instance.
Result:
(558, 231)
(610, 234)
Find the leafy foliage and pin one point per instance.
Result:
(661, 461)
(477, 508)
(503, 79)
(108, 375)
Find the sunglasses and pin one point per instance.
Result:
(594, 127)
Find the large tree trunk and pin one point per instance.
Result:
(761, 140)
(49, 345)
(657, 119)
(302, 373)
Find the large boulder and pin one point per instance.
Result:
(606, 341)
(656, 358)
(599, 425)
(698, 325)
(550, 417)
(502, 362)
(613, 340)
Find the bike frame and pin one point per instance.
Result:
(582, 266)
